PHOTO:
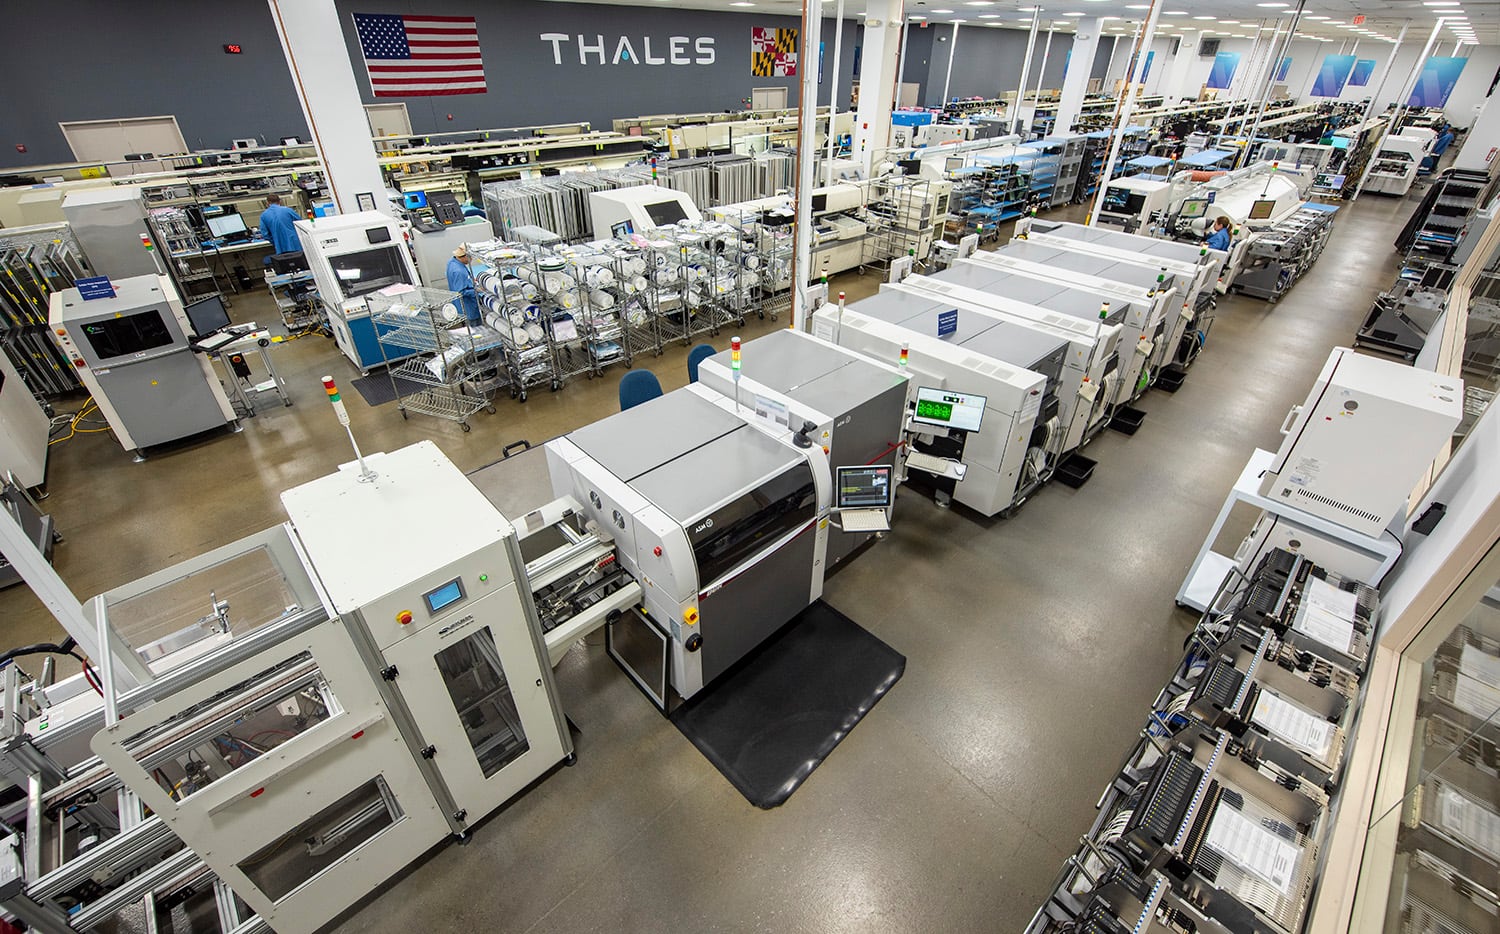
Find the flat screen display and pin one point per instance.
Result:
(622, 229)
(943, 408)
(227, 225)
(128, 335)
(444, 596)
(1339, 142)
(864, 487)
(953, 163)
(366, 271)
(207, 315)
(378, 235)
(1262, 210)
(663, 213)
(1194, 207)
(1117, 199)
(415, 200)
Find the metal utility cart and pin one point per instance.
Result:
(513, 306)
(450, 365)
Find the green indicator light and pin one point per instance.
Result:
(483, 578)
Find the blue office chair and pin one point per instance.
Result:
(696, 356)
(636, 387)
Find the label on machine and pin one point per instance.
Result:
(92, 287)
(1255, 849)
(947, 323)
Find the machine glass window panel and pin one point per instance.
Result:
(128, 335)
(190, 751)
(1446, 825)
(476, 683)
(750, 522)
(366, 271)
(663, 213)
(322, 840)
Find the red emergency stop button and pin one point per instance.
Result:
(404, 617)
(656, 551)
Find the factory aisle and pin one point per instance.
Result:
(1033, 645)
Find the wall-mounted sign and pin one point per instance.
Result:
(595, 50)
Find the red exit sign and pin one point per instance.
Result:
(234, 49)
(1359, 20)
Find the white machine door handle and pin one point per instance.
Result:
(1286, 424)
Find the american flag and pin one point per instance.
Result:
(412, 56)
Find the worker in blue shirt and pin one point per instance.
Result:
(1443, 141)
(1219, 238)
(461, 280)
(277, 225)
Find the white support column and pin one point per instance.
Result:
(1041, 73)
(325, 84)
(1133, 69)
(948, 76)
(833, 92)
(1080, 67)
(1174, 86)
(1015, 114)
(877, 77)
(807, 123)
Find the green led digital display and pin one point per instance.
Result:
(937, 411)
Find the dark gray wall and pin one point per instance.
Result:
(112, 61)
(526, 86)
(99, 59)
(988, 62)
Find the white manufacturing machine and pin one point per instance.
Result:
(1157, 316)
(303, 711)
(353, 256)
(132, 351)
(624, 211)
(1355, 449)
(722, 522)
(1091, 323)
(993, 460)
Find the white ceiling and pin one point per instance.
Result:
(1225, 18)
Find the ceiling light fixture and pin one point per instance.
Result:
(979, 2)
(1272, 6)
(916, 18)
(1203, 17)
(989, 15)
(1175, 13)
(1319, 18)
(1440, 2)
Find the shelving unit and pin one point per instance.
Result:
(35, 262)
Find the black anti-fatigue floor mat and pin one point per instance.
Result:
(769, 723)
(376, 388)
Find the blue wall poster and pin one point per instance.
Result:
(1436, 82)
(1222, 72)
(1146, 71)
(1363, 69)
(1332, 76)
(1286, 66)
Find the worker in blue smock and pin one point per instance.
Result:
(1443, 141)
(461, 280)
(277, 226)
(1218, 239)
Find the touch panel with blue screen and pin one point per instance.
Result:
(444, 596)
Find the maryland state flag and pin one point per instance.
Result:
(773, 52)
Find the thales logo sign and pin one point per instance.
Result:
(679, 50)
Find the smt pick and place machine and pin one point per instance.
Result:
(1092, 324)
(721, 520)
(993, 463)
(855, 404)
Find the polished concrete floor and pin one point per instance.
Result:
(1034, 645)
